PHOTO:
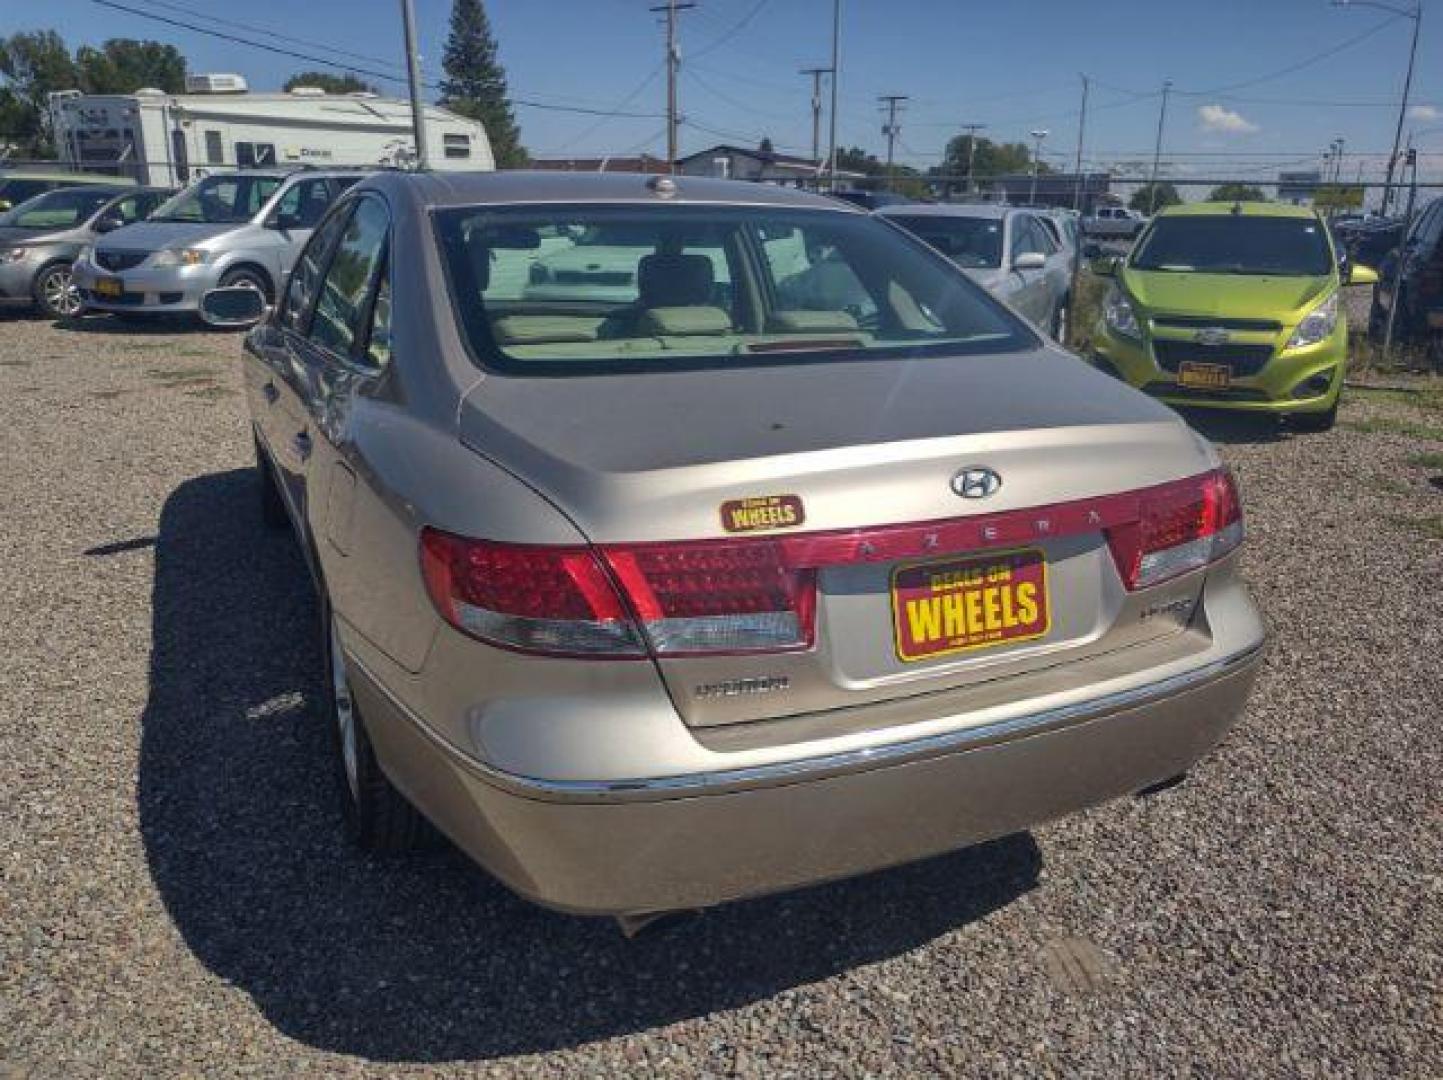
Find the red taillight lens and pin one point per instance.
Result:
(554, 600)
(1180, 526)
(717, 596)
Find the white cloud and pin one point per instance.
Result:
(1424, 112)
(1224, 121)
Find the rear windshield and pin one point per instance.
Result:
(56, 209)
(586, 289)
(975, 243)
(219, 200)
(1236, 244)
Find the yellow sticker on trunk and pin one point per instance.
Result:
(762, 512)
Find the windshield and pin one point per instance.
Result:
(56, 209)
(974, 243)
(678, 286)
(1236, 244)
(219, 200)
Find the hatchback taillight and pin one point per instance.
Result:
(679, 599)
(1180, 526)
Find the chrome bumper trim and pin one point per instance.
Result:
(806, 769)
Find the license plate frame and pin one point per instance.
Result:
(1198, 376)
(110, 287)
(927, 623)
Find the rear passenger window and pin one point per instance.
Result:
(301, 289)
(341, 301)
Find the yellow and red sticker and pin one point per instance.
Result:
(976, 602)
(762, 512)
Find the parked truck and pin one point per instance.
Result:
(1113, 222)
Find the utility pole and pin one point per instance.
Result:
(673, 61)
(413, 76)
(890, 128)
(1157, 149)
(816, 73)
(972, 130)
(1081, 127)
(836, 76)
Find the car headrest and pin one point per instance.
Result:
(674, 280)
(693, 320)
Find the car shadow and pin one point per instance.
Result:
(1220, 426)
(425, 959)
(153, 325)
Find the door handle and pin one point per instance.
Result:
(301, 444)
(270, 393)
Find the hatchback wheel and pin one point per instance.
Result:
(379, 816)
(56, 294)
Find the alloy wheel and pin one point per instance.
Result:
(59, 293)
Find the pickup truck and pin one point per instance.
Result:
(1115, 221)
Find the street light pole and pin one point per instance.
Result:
(1416, 14)
(836, 75)
(972, 130)
(1037, 137)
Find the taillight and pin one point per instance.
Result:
(717, 596)
(1180, 526)
(689, 598)
(555, 600)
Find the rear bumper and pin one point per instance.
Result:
(701, 839)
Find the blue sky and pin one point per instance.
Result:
(1011, 65)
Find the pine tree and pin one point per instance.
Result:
(475, 83)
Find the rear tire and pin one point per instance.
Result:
(379, 817)
(273, 506)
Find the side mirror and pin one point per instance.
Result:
(109, 223)
(1029, 260)
(1106, 266)
(1361, 275)
(236, 306)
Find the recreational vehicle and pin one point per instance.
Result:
(173, 139)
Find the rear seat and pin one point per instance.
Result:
(544, 329)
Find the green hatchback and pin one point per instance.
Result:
(1232, 306)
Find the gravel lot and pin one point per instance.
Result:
(177, 900)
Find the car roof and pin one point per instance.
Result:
(73, 179)
(1245, 209)
(968, 210)
(441, 189)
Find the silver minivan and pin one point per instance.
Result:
(228, 229)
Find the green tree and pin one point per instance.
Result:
(330, 82)
(1237, 193)
(475, 83)
(123, 66)
(989, 159)
(32, 66)
(1143, 202)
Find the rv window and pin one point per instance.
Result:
(249, 155)
(457, 146)
(214, 148)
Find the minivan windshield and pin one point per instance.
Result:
(685, 286)
(972, 242)
(219, 200)
(56, 209)
(1236, 244)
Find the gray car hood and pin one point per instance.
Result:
(154, 235)
(565, 432)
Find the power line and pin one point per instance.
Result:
(593, 128)
(741, 24)
(310, 58)
(1309, 62)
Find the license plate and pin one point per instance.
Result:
(1204, 376)
(977, 602)
(109, 286)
